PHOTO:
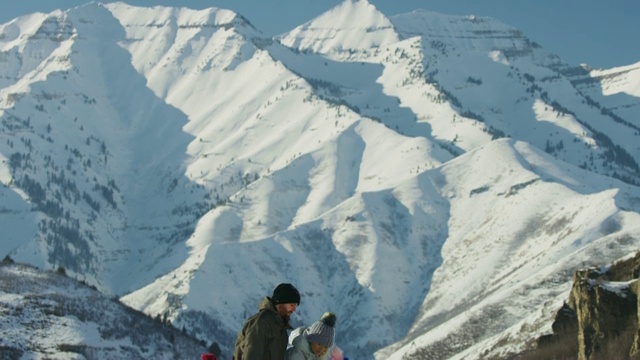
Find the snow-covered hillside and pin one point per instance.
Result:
(438, 177)
(46, 315)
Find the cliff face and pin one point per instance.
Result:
(604, 310)
(600, 319)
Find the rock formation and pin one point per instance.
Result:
(601, 314)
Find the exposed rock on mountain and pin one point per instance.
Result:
(600, 320)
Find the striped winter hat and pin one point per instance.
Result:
(322, 332)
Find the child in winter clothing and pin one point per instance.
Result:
(314, 342)
(336, 354)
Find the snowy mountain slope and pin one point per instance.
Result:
(623, 79)
(493, 74)
(280, 223)
(352, 25)
(507, 264)
(490, 73)
(190, 165)
(83, 126)
(48, 315)
(614, 91)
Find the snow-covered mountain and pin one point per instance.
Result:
(434, 180)
(46, 315)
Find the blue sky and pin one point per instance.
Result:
(601, 33)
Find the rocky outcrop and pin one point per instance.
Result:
(604, 310)
(601, 314)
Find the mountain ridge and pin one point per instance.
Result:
(43, 303)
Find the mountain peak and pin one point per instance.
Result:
(470, 32)
(351, 25)
(137, 17)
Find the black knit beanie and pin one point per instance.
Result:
(285, 294)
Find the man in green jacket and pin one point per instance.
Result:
(264, 335)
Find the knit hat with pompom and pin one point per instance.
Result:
(322, 331)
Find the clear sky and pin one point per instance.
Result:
(600, 33)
